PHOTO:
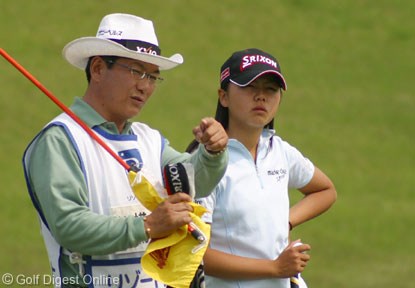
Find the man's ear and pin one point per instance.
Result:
(223, 97)
(96, 68)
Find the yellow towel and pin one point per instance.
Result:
(172, 260)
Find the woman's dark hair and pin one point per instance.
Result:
(109, 61)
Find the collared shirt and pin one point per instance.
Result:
(250, 206)
(61, 192)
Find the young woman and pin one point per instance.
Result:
(251, 215)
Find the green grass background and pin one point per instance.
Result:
(349, 107)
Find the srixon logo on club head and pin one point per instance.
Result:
(176, 179)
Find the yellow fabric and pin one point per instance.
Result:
(172, 260)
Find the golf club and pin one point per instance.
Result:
(66, 110)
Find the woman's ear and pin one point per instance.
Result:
(223, 97)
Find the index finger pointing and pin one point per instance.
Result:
(205, 123)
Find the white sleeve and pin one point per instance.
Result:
(301, 169)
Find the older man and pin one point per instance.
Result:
(93, 226)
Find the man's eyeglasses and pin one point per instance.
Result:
(139, 75)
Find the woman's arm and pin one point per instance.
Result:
(320, 194)
(228, 266)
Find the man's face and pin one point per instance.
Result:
(122, 92)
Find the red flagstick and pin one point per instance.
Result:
(65, 109)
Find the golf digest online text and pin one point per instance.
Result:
(35, 280)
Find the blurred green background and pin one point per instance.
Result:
(349, 107)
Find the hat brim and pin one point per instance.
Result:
(248, 79)
(80, 50)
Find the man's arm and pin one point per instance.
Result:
(209, 161)
(209, 168)
(60, 189)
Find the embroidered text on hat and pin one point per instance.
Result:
(249, 60)
(244, 66)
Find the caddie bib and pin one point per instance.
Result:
(109, 193)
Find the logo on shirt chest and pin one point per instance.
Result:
(278, 174)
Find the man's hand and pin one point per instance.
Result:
(211, 134)
(169, 215)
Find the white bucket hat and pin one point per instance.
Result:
(121, 35)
